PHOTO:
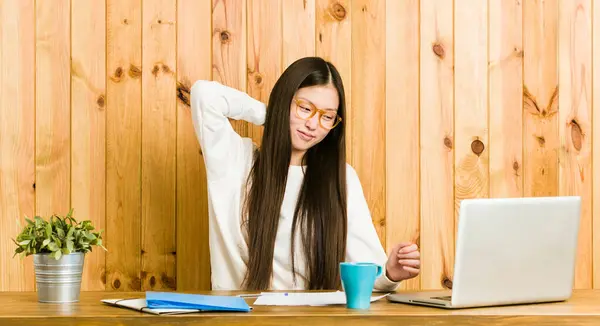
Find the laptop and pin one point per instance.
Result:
(509, 251)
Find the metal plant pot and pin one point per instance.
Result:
(58, 281)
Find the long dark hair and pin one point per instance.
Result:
(321, 211)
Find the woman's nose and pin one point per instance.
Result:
(313, 122)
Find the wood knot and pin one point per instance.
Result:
(152, 281)
(516, 166)
(439, 51)
(159, 21)
(118, 74)
(34, 185)
(225, 37)
(155, 70)
(364, 9)
(448, 142)
(136, 284)
(125, 21)
(541, 140)
(339, 12)
(168, 282)
(166, 69)
(100, 101)
(142, 252)
(477, 147)
(134, 72)
(183, 93)
(116, 284)
(576, 135)
(320, 37)
(258, 79)
(382, 223)
(518, 53)
(143, 274)
(446, 283)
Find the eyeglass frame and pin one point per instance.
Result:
(314, 110)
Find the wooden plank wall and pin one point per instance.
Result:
(447, 100)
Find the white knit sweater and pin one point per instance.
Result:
(228, 158)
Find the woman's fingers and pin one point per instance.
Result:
(410, 255)
(407, 248)
(410, 263)
(411, 269)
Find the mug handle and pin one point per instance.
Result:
(379, 271)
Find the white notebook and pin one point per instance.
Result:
(140, 305)
(305, 299)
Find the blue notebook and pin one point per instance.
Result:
(173, 300)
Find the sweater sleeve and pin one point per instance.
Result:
(211, 105)
(363, 244)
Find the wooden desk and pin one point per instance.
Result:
(22, 308)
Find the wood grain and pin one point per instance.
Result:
(193, 255)
(471, 101)
(540, 98)
(88, 127)
(229, 49)
(17, 138)
(575, 122)
(506, 98)
(123, 144)
(402, 126)
(53, 109)
(436, 144)
(334, 43)
(71, 126)
(368, 132)
(23, 309)
(596, 144)
(264, 53)
(159, 132)
(298, 19)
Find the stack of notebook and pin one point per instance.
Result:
(160, 303)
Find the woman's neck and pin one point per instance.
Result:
(297, 157)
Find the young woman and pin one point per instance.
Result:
(283, 216)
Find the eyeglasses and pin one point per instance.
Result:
(305, 110)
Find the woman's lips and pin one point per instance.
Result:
(305, 136)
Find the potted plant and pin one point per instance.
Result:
(58, 246)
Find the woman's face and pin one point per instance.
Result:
(308, 131)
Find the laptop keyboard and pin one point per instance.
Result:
(446, 298)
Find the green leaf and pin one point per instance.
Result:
(24, 242)
(48, 230)
(57, 235)
(52, 246)
(57, 240)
